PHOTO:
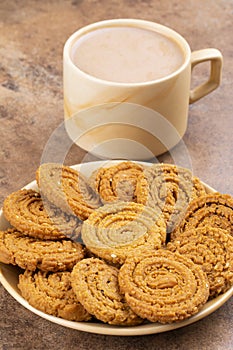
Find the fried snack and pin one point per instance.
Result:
(32, 253)
(51, 292)
(68, 189)
(28, 213)
(212, 249)
(117, 182)
(213, 209)
(170, 188)
(96, 287)
(162, 286)
(115, 230)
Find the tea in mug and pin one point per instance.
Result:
(127, 54)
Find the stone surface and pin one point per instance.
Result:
(32, 35)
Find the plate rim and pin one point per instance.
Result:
(101, 328)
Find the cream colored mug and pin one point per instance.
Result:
(132, 119)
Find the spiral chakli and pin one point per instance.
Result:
(117, 182)
(68, 189)
(52, 293)
(25, 210)
(32, 253)
(96, 286)
(162, 286)
(212, 249)
(114, 231)
(170, 188)
(213, 209)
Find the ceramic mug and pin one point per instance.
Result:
(135, 120)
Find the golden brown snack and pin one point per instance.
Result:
(212, 249)
(96, 286)
(117, 182)
(115, 230)
(68, 189)
(170, 188)
(52, 293)
(28, 213)
(32, 253)
(213, 209)
(162, 286)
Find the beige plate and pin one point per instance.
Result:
(9, 279)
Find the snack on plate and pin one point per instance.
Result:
(51, 292)
(68, 189)
(96, 286)
(162, 286)
(31, 253)
(117, 182)
(169, 188)
(115, 230)
(28, 213)
(154, 246)
(213, 209)
(212, 249)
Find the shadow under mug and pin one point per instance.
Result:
(124, 120)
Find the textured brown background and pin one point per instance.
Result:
(32, 35)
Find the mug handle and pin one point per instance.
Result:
(215, 58)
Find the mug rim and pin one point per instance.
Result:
(129, 22)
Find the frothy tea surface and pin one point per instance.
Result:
(127, 54)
